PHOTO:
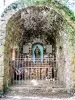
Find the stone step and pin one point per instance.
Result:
(42, 89)
(36, 87)
(45, 83)
(15, 90)
(36, 90)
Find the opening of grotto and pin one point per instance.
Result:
(37, 44)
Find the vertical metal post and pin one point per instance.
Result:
(25, 69)
(18, 69)
(22, 70)
(16, 64)
(13, 71)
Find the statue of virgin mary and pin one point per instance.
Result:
(37, 52)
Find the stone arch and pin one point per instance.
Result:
(56, 19)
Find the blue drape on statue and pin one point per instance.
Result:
(40, 53)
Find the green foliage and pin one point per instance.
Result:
(49, 1)
(69, 12)
(37, 2)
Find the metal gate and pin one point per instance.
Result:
(27, 69)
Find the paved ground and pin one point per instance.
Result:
(36, 91)
(38, 96)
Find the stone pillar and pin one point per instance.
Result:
(67, 71)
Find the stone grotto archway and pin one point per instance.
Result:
(19, 27)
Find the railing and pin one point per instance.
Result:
(27, 69)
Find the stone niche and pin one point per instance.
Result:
(34, 22)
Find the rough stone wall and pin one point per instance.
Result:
(63, 60)
(60, 59)
(3, 22)
(4, 71)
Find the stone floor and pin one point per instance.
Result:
(38, 90)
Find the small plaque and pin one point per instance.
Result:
(49, 49)
(25, 49)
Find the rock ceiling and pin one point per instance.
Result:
(36, 21)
